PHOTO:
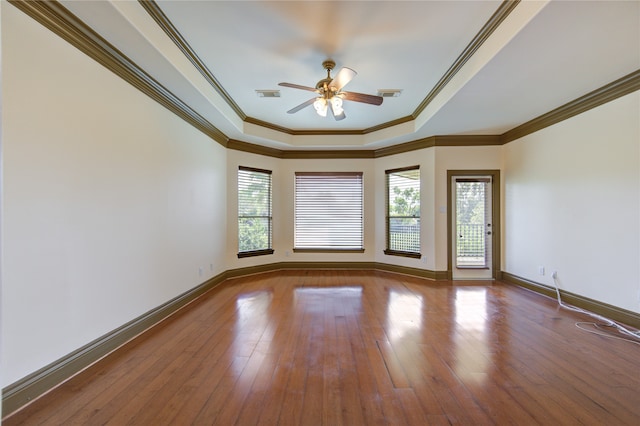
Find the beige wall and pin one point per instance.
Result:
(433, 162)
(425, 159)
(572, 204)
(456, 158)
(283, 213)
(111, 204)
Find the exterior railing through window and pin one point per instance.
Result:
(404, 234)
(471, 242)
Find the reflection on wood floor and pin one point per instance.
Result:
(352, 348)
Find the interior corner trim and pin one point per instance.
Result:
(608, 311)
(69, 27)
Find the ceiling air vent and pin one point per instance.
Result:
(268, 93)
(389, 93)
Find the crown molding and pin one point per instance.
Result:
(167, 26)
(445, 140)
(298, 154)
(317, 132)
(505, 8)
(485, 32)
(54, 16)
(388, 124)
(327, 154)
(254, 148)
(66, 25)
(462, 140)
(623, 86)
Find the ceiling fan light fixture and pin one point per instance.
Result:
(320, 105)
(336, 105)
(330, 94)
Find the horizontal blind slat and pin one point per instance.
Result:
(328, 211)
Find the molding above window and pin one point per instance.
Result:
(253, 169)
(402, 169)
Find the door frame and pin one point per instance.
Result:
(495, 218)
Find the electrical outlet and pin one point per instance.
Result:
(554, 274)
(287, 253)
(540, 270)
(424, 259)
(200, 271)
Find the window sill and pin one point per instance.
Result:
(403, 254)
(254, 253)
(326, 250)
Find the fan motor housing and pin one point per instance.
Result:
(329, 64)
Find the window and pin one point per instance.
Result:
(403, 212)
(328, 212)
(254, 212)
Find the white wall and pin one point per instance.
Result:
(111, 203)
(572, 204)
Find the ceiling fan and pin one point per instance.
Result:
(330, 94)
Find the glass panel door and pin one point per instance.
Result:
(472, 227)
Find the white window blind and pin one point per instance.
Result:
(254, 212)
(403, 211)
(328, 211)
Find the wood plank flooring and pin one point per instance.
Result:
(356, 348)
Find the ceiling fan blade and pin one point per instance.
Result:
(301, 106)
(342, 78)
(297, 86)
(338, 117)
(361, 97)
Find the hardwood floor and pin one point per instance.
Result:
(352, 348)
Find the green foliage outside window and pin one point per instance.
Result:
(403, 214)
(254, 210)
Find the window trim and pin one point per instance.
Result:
(387, 250)
(270, 250)
(328, 249)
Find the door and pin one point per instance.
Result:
(472, 227)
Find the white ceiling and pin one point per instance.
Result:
(544, 54)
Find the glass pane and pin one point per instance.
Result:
(254, 210)
(403, 204)
(404, 234)
(254, 233)
(328, 211)
(470, 219)
(404, 193)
